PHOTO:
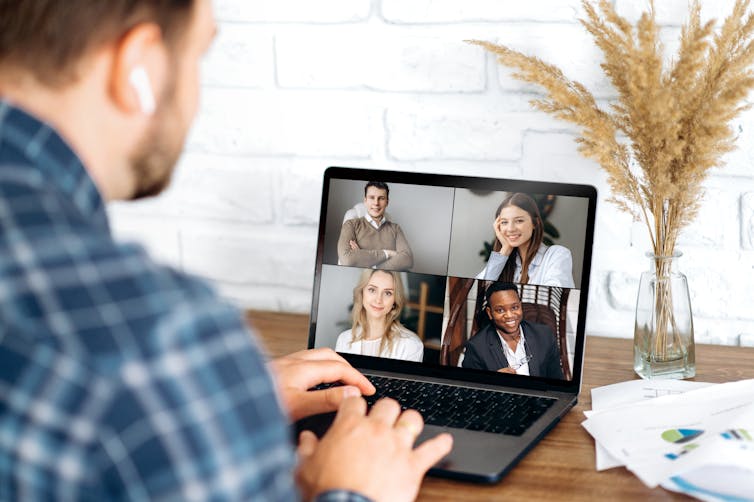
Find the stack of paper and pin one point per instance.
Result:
(693, 437)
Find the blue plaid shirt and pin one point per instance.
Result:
(119, 378)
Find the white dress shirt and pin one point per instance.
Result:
(551, 266)
(516, 358)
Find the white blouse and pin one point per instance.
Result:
(551, 266)
(407, 346)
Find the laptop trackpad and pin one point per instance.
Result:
(476, 456)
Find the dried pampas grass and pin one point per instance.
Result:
(670, 123)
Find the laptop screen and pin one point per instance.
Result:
(462, 276)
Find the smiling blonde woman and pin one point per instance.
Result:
(519, 255)
(378, 300)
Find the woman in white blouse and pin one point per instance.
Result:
(376, 331)
(519, 255)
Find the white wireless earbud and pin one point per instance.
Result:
(140, 82)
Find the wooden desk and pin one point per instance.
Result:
(561, 466)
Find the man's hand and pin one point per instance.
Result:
(354, 245)
(372, 455)
(507, 369)
(300, 371)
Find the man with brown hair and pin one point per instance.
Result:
(120, 378)
(372, 240)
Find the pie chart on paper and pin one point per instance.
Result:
(680, 436)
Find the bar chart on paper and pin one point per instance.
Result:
(737, 435)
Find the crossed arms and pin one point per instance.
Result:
(387, 248)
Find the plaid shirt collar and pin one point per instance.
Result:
(37, 143)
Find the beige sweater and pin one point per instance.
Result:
(373, 242)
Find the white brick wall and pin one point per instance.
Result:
(292, 86)
(452, 11)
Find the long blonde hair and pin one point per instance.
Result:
(360, 327)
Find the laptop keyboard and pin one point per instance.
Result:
(463, 407)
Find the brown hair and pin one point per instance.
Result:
(377, 184)
(525, 202)
(48, 38)
(360, 326)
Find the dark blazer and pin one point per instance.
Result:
(484, 351)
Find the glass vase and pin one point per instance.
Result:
(664, 329)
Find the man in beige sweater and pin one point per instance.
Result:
(372, 240)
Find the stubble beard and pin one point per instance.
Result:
(154, 159)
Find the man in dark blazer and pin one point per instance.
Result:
(485, 350)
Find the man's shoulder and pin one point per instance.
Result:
(75, 255)
(536, 329)
(15, 172)
(72, 286)
(393, 225)
(482, 336)
(353, 224)
(120, 308)
(33, 207)
(25, 196)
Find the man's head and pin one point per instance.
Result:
(504, 307)
(118, 79)
(376, 198)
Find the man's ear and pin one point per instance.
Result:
(489, 312)
(139, 69)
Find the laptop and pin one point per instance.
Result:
(496, 403)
